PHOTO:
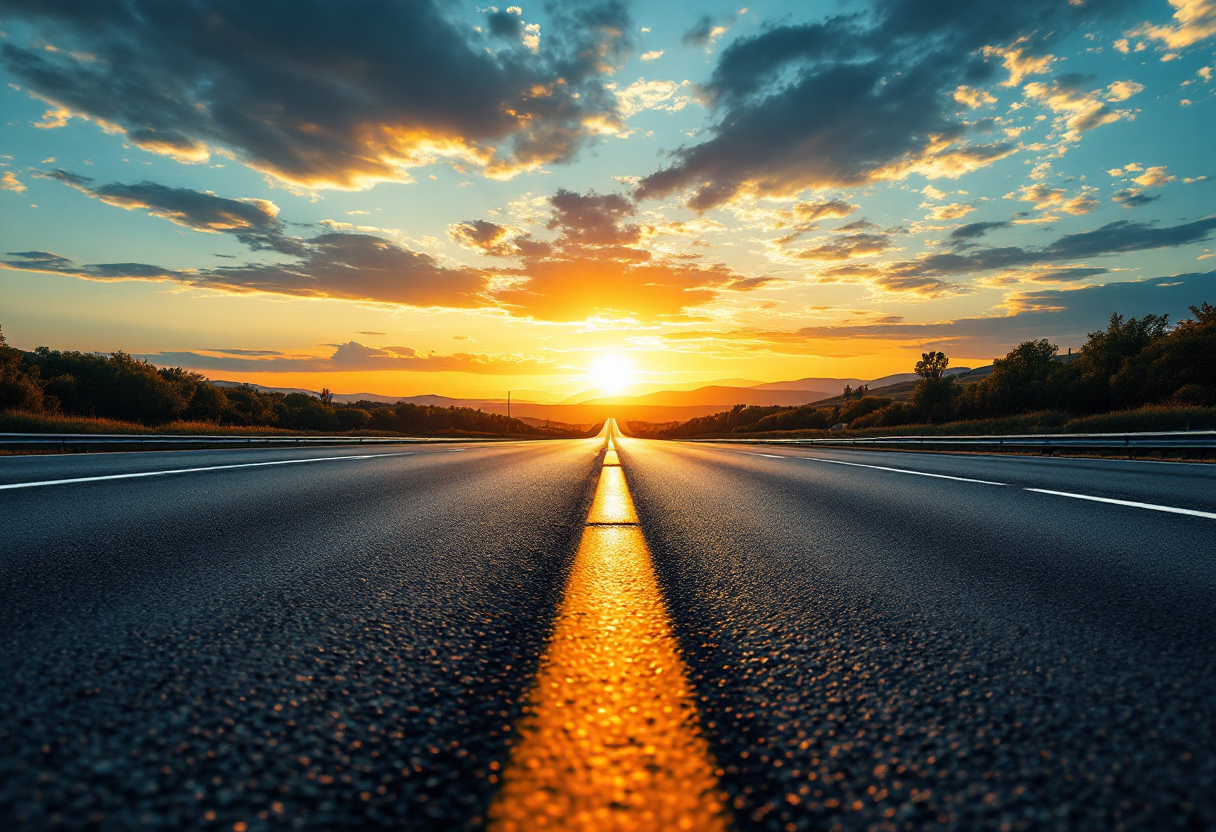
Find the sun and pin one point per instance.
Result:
(611, 372)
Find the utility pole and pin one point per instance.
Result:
(508, 405)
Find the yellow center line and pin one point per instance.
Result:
(612, 503)
(610, 738)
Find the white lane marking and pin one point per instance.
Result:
(1153, 507)
(878, 468)
(900, 471)
(39, 484)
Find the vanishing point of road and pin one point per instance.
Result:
(602, 634)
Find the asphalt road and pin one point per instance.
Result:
(346, 643)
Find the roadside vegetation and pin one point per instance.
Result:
(1137, 374)
(48, 391)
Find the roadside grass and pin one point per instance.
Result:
(1158, 418)
(13, 421)
(1161, 417)
(19, 422)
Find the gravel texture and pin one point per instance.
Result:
(326, 646)
(875, 650)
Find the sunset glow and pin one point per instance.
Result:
(612, 373)
(461, 200)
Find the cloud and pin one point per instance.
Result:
(597, 264)
(324, 95)
(932, 274)
(352, 357)
(975, 230)
(952, 211)
(1062, 315)
(1081, 110)
(651, 95)
(254, 222)
(855, 99)
(335, 266)
(844, 247)
(48, 262)
(708, 30)
(1194, 20)
(1020, 61)
(485, 237)
(1047, 198)
(651, 56)
(10, 182)
(1154, 176)
(801, 216)
(356, 267)
(1133, 197)
(972, 97)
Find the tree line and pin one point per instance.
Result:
(122, 387)
(1131, 363)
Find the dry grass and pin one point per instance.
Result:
(1159, 418)
(17, 422)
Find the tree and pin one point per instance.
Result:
(20, 388)
(932, 365)
(207, 404)
(934, 396)
(1024, 380)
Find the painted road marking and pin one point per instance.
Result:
(1151, 506)
(139, 474)
(612, 503)
(1130, 503)
(610, 738)
(898, 470)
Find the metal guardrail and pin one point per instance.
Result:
(1173, 440)
(116, 441)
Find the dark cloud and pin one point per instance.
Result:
(1113, 238)
(254, 222)
(1125, 236)
(485, 237)
(707, 30)
(351, 356)
(341, 266)
(845, 246)
(855, 98)
(975, 230)
(591, 222)
(1133, 197)
(49, 263)
(597, 265)
(356, 267)
(832, 209)
(1064, 275)
(857, 225)
(1064, 316)
(328, 94)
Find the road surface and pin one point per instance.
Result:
(350, 638)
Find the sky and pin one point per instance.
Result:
(437, 197)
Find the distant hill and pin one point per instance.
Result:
(900, 386)
(831, 385)
(262, 389)
(716, 395)
(657, 406)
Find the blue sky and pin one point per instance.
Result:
(407, 197)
